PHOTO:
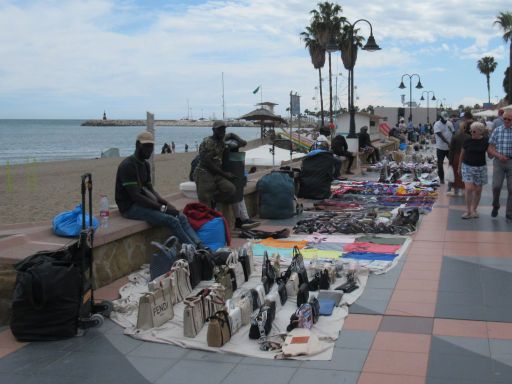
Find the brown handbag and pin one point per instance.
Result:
(218, 330)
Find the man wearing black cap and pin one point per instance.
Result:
(137, 199)
(214, 185)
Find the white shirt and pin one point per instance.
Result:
(447, 131)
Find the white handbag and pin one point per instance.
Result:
(155, 308)
(245, 305)
(235, 319)
(167, 279)
(193, 318)
(292, 285)
(182, 275)
(236, 266)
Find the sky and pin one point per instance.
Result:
(75, 59)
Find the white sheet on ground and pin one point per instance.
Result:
(327, 329)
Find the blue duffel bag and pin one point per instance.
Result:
(213, 234)
(69, 223)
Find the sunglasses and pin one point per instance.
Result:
(507, 119)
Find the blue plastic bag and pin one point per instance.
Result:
(213, 234)
(69, 223)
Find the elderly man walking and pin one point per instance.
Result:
(500, 147)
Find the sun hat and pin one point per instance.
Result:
(145, 138)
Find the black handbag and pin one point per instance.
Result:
(220, 257)
(162, 261)
(243, 257)
(266, 284)
(315, 308)
(268, 270)
(255, 299)
(207, 264)
(297, 265)
(303, 294)
(261, 323)
(281, 290)
(320, 281)
(188, 253)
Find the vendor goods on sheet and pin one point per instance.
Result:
(201, 323)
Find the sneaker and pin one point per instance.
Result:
(467, 215)
(248, 224)
(475, 215)
(451, 193)
(494, 212)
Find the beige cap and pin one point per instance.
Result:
(145, 138)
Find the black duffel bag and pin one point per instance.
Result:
(46, 298)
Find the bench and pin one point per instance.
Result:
(119, 249)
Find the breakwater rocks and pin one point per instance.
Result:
(172, 123)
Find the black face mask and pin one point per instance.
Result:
(144, 151)
(443, 120)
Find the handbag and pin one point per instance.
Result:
(193, 315)
(235, 319)
(301, 342)
(292, 285)
(326, 306)
(182, 273)
(246, 260)
(155, 308)
(168, 280)
(188, 253)
(219, 332)
(162, 260)
(213, 301)
(298, 266)
(220, 256)
(268, 271)
(237, 269)
(260, 324)
(245, 305)
(302, 318)
(206, 262)
(315, 309)
(335, 296)
(450, 175)
(303, 294)
(223, 277)
(281, 290)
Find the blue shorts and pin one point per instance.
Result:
(475, 175)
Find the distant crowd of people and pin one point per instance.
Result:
(166, 148)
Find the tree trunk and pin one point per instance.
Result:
(321, 97)
(488, 87)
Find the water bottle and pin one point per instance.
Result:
(104, 211)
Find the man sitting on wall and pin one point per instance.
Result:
(137, 199)
(365, 146)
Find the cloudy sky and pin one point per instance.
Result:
(74, 59)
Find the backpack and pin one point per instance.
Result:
(317, 175)
(276, 196)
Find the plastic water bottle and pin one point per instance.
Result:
(104, 211)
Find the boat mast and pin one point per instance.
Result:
(223, 104)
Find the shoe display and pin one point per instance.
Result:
(467, 215)
(494, 212)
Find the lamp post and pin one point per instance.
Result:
(418, 86)
(433, 99)
(349, 57)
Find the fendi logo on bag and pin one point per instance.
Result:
(160, 309)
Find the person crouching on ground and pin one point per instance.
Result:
(137, 199)
(473, 167)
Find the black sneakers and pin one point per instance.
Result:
(494, 212)
(246, 224)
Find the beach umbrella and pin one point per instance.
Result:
(262, 114)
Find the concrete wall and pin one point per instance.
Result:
(419, 114)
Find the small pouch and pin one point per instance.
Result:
(303, 294)
(326, 307)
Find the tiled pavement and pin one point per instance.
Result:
(442, 316)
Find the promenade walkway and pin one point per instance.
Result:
(442, 316)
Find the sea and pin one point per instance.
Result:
(23, 141)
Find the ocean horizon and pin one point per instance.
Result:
(43, 140)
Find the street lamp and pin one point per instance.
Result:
(433, 99)
(418, 86)
(349, 57)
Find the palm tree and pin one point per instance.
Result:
(326, 23)
(486, 65)
(504, 20)
(317, 53)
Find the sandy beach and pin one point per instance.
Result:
(36, 192)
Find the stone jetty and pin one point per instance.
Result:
(172, 123)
